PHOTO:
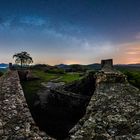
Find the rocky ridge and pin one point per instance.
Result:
(16, 122)
(113, 112)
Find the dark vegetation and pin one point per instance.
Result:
(133, 75)
(133, 78)
(3, 70)
(85, 86)
(1, 73)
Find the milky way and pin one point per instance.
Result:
(71, 31)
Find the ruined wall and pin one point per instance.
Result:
(16, 122)
(113, 112)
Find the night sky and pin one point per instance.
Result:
(70, 31)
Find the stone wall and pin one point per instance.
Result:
(16, 122)
(113, 112)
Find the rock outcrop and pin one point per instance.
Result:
(16, 122)
(113, 112)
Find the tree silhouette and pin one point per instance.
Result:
(23, 58)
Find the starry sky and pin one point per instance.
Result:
(71, 31)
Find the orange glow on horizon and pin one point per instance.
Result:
(129, 53)
(69, 62)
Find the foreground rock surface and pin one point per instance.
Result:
(113, 112)
(16, 122)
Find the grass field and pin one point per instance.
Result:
(3, 70)
(31, 87)
(66, 77)
(34, 86)
(133, 76)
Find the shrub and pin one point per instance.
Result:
(1, 73)
(55, 71)
(133, 77)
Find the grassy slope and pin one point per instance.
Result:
(70, 77)
(133, 76)
(33, 86)
(46, 77)
(3, 70)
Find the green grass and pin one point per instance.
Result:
(133, 76)
(3, 70)
(32, 87)
(1, 73)
(70, 77)
(45, 77)
(66, 77)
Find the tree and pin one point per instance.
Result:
(23, 58)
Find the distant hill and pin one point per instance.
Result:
(3, 65)
(97, 66)
(128, 66)
(63, 66)
(90, 66)
(134, 65)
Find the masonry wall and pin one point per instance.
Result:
(113, 112)
(16, 122)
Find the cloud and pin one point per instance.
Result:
(129, 52)
(103, 49)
